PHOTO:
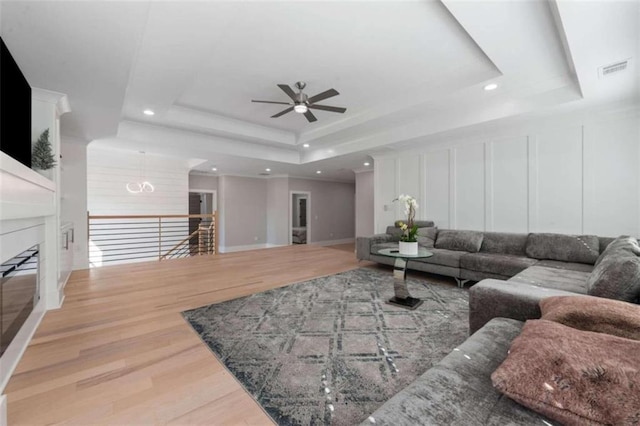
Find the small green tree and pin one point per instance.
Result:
(42, 158)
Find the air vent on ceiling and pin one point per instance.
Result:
(613, 68)
(264, 174)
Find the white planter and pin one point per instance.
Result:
(408, 248)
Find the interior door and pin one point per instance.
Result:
(303, 212)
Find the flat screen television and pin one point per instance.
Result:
(15, 109)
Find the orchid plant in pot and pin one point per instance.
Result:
(408, 240)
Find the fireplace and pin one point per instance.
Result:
(19, 293)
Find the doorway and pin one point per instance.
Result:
(299, 217)
(200, 202)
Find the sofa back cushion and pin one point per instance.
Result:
(418, 223)
(617, 276)
(620, 245)
(394, 232)
(469, 241)
(566, 248)
(427, 236)
(504, 243)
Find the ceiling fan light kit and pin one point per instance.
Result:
(303, 103)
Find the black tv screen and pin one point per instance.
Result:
(15, 109)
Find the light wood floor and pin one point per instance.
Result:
(119, 352)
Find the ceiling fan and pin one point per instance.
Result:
(303, 103)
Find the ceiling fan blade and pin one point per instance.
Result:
(324, 95)
(328, 108)
(271, 102)
(310, 117)
(286, 89)
(282, 112)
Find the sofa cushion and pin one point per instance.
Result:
(394, 232)
(621, 245)
(427, 236)
(595, 314)
(572, 376)
(443, 257)
(567, 248)
(501, 264)
(570, 266)
(458, 390)
(469, 241)
(616, 277)
(504, 243)
(559, 279)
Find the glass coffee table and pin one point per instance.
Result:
(402, 297)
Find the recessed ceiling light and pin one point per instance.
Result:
(366, 164)
(305, 145)
(318, 171)
(148, 112)
(491, 86)
(215, 169)
(267, 170)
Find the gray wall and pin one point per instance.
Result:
(243, 211)
(277, 206)
(332, 208)
(198, 181)
(364, 204)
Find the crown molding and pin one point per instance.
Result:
(363, 170)
(60, 100)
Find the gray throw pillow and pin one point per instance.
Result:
(622, 244)
(469, 241)
(427, 236)
(566, 248)
(616, 277)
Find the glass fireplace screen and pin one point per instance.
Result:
(19, 293)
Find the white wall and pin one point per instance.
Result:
(108, 172)
(202, 181)
(73, 203)
(364, 204)
(580, 177)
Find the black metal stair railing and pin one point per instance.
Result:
(135, 238)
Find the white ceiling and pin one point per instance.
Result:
(406, 71)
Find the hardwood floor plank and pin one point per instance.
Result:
(119, 351)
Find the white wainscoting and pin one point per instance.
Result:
(572, 179)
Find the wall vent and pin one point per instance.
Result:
(607, 70)
(264, 174)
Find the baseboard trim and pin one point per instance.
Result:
(3, 410)
(233, 249)
(333, 242)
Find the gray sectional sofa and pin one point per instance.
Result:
(458, 389)
(516, 271)
(475, 256)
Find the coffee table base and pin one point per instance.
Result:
(410, 303)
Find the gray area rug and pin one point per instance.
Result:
(330, 350)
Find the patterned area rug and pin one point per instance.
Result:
(330, 350)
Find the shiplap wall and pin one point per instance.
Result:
(108, 172)
(579, 178)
